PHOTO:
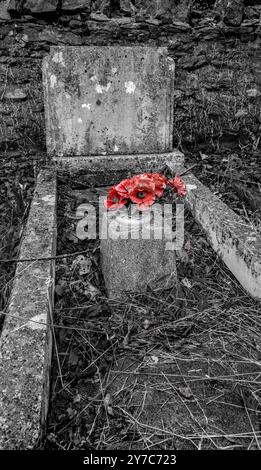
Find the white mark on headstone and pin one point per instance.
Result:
(49, 198)
(38, 322)
(53, 80)
(86, 105)
(100, 88)
(130, 87)
(116, 148)
(79, 120)
(104, 153)
(58, 58)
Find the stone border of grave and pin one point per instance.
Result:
(26, 339)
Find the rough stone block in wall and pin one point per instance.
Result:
(127, 7)
(75, 6)
(40, 6)
(167, 10)
(4, 13)
(103, 6)
(15, 7)
(230, 11)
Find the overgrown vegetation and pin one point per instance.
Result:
(235, 177)
(17, 181)
(153, 372)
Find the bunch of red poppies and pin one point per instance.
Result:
(143, 190)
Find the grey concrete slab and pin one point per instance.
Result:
(114, 100)
(26, 339)
(133, 265)
(234, 240)
(106, 170)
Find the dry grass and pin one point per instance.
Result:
(156, 371)
(23, 127)
(17, 180)
(215, 108)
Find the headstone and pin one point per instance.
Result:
(132, 264)
(108, 100)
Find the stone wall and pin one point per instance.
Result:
(216, 46)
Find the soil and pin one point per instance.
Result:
(197, 360)
(152, 371)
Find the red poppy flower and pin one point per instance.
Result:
(143, 191)
(178, 185)
(114, 200)
(160, 182)
(140, 189)
(143, 180)
(124, 186)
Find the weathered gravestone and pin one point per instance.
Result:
(107, 101)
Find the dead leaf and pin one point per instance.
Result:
(77, 398)
(73, 359)
(241, 113)
(185, 392)
(91, 291)
(59, 290)
(83, 264)
(107, 404)
(155, 359)
(71, 412)
(203, 156)
(94, 310)
(72, 237)
(252, 92)
(183, 256)
(186, 282)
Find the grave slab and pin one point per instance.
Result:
(108, 100)
(26, 339)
